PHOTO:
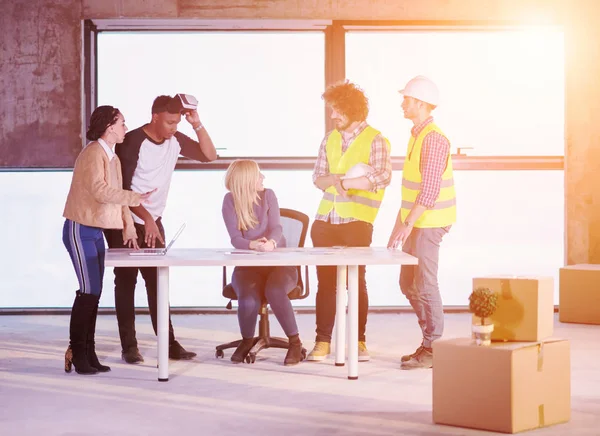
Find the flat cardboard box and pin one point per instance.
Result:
(525, 310)
(506, 387)
(579, 294)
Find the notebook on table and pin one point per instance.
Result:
(158, 251)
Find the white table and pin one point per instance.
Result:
(347, 260)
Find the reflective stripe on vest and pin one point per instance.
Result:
(443, 213)
(417, 185)
(361, 205)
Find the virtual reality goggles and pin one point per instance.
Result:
(187, 102)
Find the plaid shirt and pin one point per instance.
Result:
(379, 160)
(434, 159)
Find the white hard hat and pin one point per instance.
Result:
(423, 89)
(358, 170)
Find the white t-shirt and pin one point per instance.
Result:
(148, 165)
(155, 167)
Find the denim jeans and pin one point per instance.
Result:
(419, 283)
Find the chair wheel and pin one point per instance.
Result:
(251, 358)
(219, 354)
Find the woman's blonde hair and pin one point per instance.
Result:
(241, 180)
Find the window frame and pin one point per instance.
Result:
(334, 71)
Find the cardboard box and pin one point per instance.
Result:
(579, 294)
(525, 309)
(507, 387)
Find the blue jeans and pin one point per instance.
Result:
(86, 249)
(419, 283)
(253, 284)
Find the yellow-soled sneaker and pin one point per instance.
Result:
(363, 353)
(319, 352)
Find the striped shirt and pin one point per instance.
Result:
(379, 160)
(434, 159)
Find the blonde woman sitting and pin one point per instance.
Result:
(251, 215)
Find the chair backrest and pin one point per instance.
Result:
(295, 227)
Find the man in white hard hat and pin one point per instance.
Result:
(427, 212)
(353, 168)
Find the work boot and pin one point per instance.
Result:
(422, 360)
(407, 357)
(319, 352)
(363, 353)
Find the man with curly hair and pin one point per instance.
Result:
(352, 169)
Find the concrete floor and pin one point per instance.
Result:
(208, 396)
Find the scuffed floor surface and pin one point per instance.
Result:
(209, 396)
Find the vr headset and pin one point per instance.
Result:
(187, 102)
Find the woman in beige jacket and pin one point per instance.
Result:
(96, 201)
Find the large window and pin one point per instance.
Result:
(502, 92)
(259, 92)
(260, 95)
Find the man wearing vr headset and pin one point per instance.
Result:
(148, 157)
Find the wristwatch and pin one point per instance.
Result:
(200, 127)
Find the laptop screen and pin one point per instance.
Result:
(175, 237)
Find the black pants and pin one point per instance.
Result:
(325, 234)
(125, 281)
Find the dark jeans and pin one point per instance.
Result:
(253, 284)
(125, 281)
(325, 234)
(419, 283)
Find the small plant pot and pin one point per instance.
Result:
(482, 334)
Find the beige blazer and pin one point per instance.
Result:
(96, 197)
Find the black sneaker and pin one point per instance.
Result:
(177, 352)
(132, 356)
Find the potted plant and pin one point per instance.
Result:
(482, 303)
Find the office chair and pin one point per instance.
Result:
(295, 227)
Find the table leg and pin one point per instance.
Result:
(353, 322)
(163, 323)
(340, 317)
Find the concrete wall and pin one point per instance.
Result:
(40, 82)
(40, 74)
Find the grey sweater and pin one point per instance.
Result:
(267, 214)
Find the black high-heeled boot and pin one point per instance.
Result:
(75, 355)
(91, 343)
(242, 350)
(295, 353)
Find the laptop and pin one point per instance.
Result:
(158, 251)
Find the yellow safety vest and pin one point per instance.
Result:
(444, 212)
(360, 205)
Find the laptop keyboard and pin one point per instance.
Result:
(153, 250)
